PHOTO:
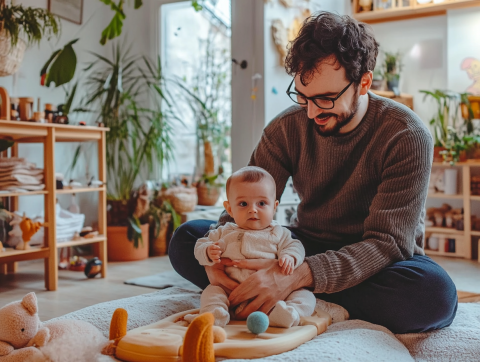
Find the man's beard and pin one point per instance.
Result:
(341, 120)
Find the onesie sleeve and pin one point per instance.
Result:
(290, 246)
(203, 243)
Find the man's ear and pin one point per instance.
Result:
(228, 208)
(366, 83)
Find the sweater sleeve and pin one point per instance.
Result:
(290, 246)
(394, 214)
(202, 244)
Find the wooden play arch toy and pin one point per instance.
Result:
(172, 339)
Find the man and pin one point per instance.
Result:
(361, 165)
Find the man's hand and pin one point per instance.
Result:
(287, 263)
(214, 252)
(216, 276)
(267, 286)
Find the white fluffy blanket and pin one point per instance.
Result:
(353, 340)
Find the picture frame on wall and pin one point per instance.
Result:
(71, 10)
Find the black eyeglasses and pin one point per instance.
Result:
(319, 101)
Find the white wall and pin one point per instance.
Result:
(463, 42)
(423, 43)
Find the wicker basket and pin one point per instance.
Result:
(183, 199)
(10, 57)
(208, 196)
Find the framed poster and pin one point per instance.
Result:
(71, 10)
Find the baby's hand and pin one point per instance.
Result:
(286, 262)
(214, 252)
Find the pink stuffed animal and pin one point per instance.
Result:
(24, 338)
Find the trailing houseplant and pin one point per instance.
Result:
(122, 90)
(391, 70)
(21, 27)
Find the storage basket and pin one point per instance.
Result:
(183, 199)
(208, 196)
(10, 57)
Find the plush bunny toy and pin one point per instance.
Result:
(24, 338)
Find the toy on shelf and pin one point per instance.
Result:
(444, 216)
(29, 228)
(201, 341)
(23, 337)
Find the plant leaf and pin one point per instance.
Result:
(63, 67)
(5, 144)
(113, 29)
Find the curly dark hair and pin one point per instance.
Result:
(325, 34)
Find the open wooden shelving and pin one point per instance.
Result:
(48, 134)
(464, 250)
(414, 10)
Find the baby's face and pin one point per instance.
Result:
(252, 205)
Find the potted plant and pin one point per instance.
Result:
(391, 71)
(452, 133)
(21, 27)
(139, 139)
(208, 96)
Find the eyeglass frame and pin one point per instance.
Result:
(317, 97)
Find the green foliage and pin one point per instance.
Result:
(30, 24)
(134, 231)
(391, 66)
(196, 5)
(61, 66)
(114, 29)
(5, 144)
(449, 129)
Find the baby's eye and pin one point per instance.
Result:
(262, 203)
(243, 204)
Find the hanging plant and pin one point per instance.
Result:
(114, 29)
(29, 24)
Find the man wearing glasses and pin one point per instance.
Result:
(361, 166)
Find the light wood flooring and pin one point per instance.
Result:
(76, 292)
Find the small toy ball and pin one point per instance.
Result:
(93, 267)
(219, 334)
(257, 322)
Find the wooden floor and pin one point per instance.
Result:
(76, 292)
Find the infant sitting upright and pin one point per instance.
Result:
(251, 194)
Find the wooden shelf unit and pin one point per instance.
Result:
(48, 134)
(464, 169)
(414, 10)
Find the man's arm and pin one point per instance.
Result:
(390, 228)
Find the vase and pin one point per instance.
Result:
(119, 248)
(450, 181)
(365, 5)
(392, 85)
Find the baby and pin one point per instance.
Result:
(251, 194)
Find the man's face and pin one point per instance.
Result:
(328, 81)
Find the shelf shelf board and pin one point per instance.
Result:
(475, 197)
(81, 189)
(35, 252)
(83, 241)
(475, 233)
(442, 230)
(10, 194)
(32, 132)
(442, 253)
(444, 196)
(411, 12)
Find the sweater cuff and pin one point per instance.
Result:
(318, 273)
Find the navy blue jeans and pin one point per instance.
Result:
(414, 295)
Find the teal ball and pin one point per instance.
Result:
(257, 322)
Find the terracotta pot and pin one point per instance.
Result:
(159, 245)
(462, 157)
(208, 196)
(121, 249)
(437, 157)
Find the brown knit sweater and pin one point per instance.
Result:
(365, 190)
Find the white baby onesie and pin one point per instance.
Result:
(236, 243)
